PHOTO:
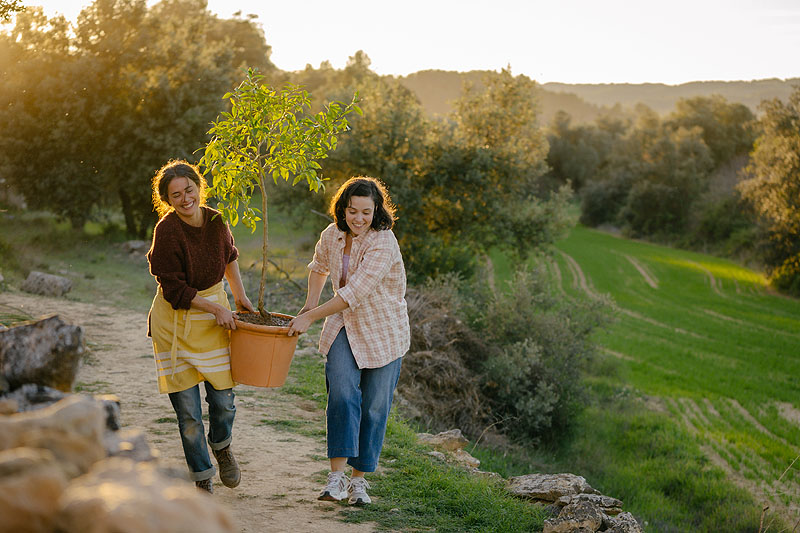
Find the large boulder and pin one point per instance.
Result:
(31, 483)
(72, 429)
(124, 496)
(46, 352)
(46, 284)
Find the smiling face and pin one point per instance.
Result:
(358, 214)
(183, 196)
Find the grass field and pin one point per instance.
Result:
(712, 359)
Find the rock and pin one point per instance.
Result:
(446, 440)
(122, 495)
(30, 396)
(31, 483)
(463, 458)
(624, 523)
(548, 487)
(46, 352)
(131, 444)
(490, 475)
(136, 247)
(46, 284)
(111, 404)
(579, 516)
(8, 406)
(609, 505)
(438, 455)
(72, 429)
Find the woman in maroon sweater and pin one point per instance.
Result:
(192, 250)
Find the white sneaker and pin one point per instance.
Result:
(358, 491)
(336, 489)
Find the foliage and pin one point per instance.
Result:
(773, 188)
(461, 187)
(726, 128)
(93, 109)
(578, 153)
(540, 343)
(267, 135)
(652, 176)
(7, 7)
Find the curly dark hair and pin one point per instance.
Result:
(382, 218)
(176, 168)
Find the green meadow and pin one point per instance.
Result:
(696, 389)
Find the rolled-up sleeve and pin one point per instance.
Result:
(376, 263)
(230, 247)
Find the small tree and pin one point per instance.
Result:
(268, 134)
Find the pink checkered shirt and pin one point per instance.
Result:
(376, 319)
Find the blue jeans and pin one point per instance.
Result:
(359, 401)
(221, 413)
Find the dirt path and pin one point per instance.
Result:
(281, 471)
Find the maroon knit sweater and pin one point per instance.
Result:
(185, 259)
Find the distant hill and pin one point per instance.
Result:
(437, 89)
(661, 97)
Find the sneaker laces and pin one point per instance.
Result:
(359, 484)
(336, 481)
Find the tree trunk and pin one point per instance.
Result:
(264, 247)
(127, 211)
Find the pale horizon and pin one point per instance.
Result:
(574, 42)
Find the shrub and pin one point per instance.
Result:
(601, 201)
(539, 343)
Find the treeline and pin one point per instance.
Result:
(707, 176)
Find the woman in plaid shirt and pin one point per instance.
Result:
(366, 331)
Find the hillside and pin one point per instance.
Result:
(711, 351)
(437, 89)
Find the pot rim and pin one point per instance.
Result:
(262, 328)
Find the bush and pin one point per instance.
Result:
(786, 277)
(539, 343)
(503, 359)
(601, 201)
(655, 209)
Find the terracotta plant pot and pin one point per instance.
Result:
(261, 355)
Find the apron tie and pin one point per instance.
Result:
(187, 328)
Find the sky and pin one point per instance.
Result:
(568, 41)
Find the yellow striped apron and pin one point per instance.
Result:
(188, 345)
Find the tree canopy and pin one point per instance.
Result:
(773, 187)
(90, 111)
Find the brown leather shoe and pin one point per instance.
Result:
(229, 472)
(205, 485)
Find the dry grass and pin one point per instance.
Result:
(439, 386)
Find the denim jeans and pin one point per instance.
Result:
(221, 413)
(359, 401)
